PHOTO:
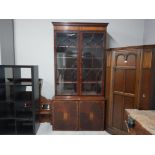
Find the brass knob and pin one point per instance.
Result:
(144, 95)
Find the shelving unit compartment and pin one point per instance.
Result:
(7, 109)
(2, 92)
(24, 127)
(7, 127)
(23, 93)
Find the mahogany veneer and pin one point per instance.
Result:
(79, 76)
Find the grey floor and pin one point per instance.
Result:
(46, 129)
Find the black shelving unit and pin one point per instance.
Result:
(19, 100)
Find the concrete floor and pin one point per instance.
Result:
(46, 129)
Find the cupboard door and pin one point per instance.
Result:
(91, 115)
(65, 115)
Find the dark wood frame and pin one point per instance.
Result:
(55, 58)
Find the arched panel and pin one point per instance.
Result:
(126, 60)
(131, 60)
(120, 60)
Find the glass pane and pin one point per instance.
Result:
(70, 52)
(92, 75)
(63, 62)
(91, 88)
(93, 39)
(66, 89)
(95, 52)
(66, 75)
(66, 39)
(92, 63)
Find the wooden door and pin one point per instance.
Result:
(65, 115)
(91, 115)
(125, 86)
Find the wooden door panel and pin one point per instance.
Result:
(65, 115)
(130, 81)
(125, 60)
(119, 80)
(117, 111)
(91, 115)
(147, 59)
(120, 60)
(145, 89)
(128, 104)
(131, 60)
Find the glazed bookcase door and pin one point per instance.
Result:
(92, 63)
(66, 63)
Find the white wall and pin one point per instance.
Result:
(34, 43)
(125, 32)
(149, 31)
(34, 46)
